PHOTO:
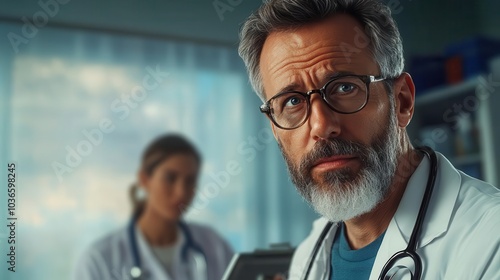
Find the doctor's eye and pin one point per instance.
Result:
(190, 182)
(289, 103)
(293, 101)
(171, 177)
(342, 89)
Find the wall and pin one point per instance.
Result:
(426, 25)
(489, 16)
(430, 26)
(194, 19)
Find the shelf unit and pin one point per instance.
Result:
(462, 121)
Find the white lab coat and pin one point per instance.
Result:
(460, 237)
(111, 257)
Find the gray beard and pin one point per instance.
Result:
(342, 194)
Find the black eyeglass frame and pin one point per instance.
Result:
(367, 79)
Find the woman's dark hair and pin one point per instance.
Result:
(160, 149)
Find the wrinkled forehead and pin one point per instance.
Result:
(317, 50)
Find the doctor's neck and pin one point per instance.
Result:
(156, 229)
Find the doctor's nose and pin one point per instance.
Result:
(183, 189)
(323, 121)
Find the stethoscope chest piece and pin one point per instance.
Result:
(136, 272)
(405, 267)
(396, 272)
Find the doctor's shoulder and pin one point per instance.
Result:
(473, 237)
(478, 203)
(96, 261)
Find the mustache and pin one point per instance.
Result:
(332, 147)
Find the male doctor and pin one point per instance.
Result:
(330, 73)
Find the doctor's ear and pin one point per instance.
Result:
(142, 179)
(138, 193)
(404, 93)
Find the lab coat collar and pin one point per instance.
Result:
(438, 214)
(441, 205)
(150, 262)
(321, 263)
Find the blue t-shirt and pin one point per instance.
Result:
(352, 264)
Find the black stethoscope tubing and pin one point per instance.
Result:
(411, 249)
(189, 244)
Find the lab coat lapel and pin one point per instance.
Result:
(438, 214)
(180, 266)
(321, 264)
(325, 254)
(149, 262)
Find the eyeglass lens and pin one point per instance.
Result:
(344, 95)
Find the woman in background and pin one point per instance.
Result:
(157, 244)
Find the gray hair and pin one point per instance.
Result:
(278, 15)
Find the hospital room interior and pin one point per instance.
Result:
(85, 86)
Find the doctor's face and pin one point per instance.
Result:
(172, 185)
(342, 164)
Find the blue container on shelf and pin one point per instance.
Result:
(427, 71)
(475, 53)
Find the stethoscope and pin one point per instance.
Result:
(137, 272)
(390, 269)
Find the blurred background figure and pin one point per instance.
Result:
(81, 98)
(157, 243)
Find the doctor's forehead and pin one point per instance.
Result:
(336, 44)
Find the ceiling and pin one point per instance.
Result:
(424, 26)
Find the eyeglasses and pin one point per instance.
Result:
(345, 94)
